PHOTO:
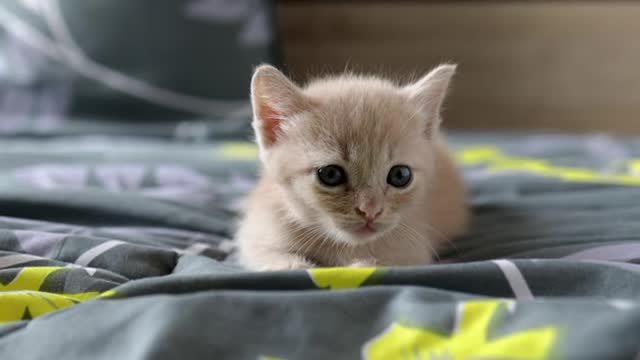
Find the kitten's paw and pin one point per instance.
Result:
(363, 263)
(292, 263)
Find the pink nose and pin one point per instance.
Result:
(368, 213)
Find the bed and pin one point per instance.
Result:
(115, 243)
(131, 237)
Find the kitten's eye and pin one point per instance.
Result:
(332, 175)
(399, 176)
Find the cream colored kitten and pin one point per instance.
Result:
(355, 173)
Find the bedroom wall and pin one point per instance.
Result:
(566, 65)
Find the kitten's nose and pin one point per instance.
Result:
(370, 214)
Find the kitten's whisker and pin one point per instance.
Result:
(417, 236)
(300, 234)
(415, 239)
(440, 234)
(306, 241)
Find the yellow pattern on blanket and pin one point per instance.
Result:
(22, 298)
(495, 160)
(470, 339)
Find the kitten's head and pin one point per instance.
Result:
(353, 155)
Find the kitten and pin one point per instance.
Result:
(355, 173)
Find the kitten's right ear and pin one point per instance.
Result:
(274, 99)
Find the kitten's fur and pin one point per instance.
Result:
(366, 125)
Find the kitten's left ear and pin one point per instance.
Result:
(429, 93)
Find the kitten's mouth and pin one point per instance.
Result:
(366, 229)
(363, 233)
(359, 233)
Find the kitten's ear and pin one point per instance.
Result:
(429, 93)
(274, 99)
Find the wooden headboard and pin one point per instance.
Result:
(564, 65)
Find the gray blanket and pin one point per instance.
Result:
(119, 248)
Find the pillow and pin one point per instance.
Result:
(129, 60)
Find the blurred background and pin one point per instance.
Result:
(553, 65)
(70, 65)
